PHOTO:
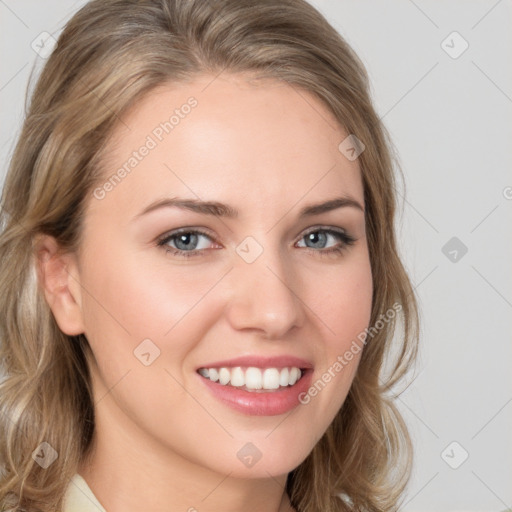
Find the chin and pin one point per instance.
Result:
(262, 458)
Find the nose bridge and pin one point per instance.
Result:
(264, 290)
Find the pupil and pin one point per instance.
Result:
(184, 239)
(316, 237)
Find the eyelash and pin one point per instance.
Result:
(346, 241)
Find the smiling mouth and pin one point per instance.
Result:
(253, 379)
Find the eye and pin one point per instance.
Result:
(319, 237)
(187, 242)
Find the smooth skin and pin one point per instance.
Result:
(162, 442)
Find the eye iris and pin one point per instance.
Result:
(185, 238)
(317, 235)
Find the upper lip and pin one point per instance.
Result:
(283, 361)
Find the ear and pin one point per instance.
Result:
(59, 278)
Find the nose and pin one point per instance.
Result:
(265, 296)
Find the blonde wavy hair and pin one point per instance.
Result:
(110, 54)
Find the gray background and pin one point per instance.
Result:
(450, 116)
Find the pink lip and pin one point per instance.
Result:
(270, 403)
(261, 362)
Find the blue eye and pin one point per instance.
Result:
(319, 236)
(186, 241)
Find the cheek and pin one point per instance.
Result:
(343, 312)
(344, 301)
(133, 297)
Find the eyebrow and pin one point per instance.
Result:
(223, 210)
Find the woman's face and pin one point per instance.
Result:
(259, 285)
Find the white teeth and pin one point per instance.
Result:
(224, 376)
(270, 378)
(237, 377)
(283, 377)
(294, 376)
(253, 378)
(204, 372)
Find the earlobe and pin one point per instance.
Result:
(59, 280)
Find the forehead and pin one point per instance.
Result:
(230, 138)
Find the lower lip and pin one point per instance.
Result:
(272, 403)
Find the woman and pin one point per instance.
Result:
(200, 275)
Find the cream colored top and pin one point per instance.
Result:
(80, 498)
